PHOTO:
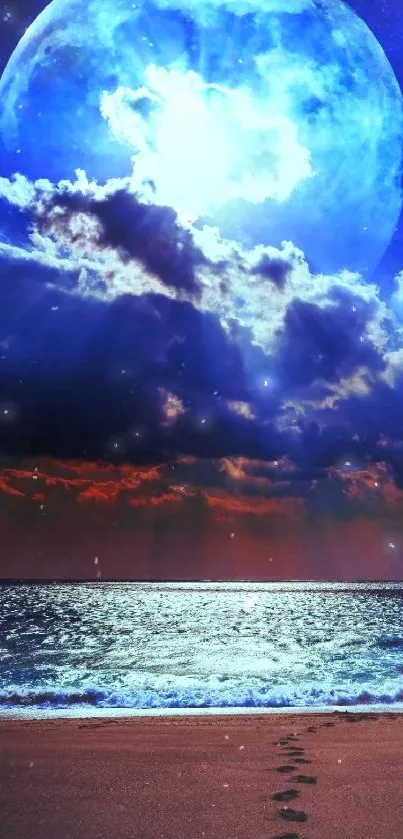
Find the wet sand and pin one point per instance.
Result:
(319, 776)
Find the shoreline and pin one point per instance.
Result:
(214, 776)
(84, 712)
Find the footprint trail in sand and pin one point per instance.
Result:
(293, 748)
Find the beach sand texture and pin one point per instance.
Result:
(307, 776)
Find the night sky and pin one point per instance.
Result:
(146, 436)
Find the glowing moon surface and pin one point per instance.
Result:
(270, 120)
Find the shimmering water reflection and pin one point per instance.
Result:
(200, 645)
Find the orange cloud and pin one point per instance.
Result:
(103, 492)
(244, 504)
(172, 407)
(155, 500)
(229, 518)
(231, 487)
(8, 489)
(89, 480)
(373, 485)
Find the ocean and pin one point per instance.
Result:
(111, 648)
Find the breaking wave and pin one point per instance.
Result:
(192, 699)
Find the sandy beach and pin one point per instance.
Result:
(316, 776)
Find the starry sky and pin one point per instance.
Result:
(140, 439)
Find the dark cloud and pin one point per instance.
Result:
(86, 374)
(137, 231)
(325, 343)
(276, 270)
(90, 378)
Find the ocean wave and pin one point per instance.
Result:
(192, 699)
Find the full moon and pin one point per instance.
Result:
(272, 121)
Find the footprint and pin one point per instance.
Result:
(291, 815)
(288, 836)
(286, 768)
(301, 760)
(305, 779)
(296, 752)
(287, 795)
(92, 725)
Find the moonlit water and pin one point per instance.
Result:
(92, 646)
